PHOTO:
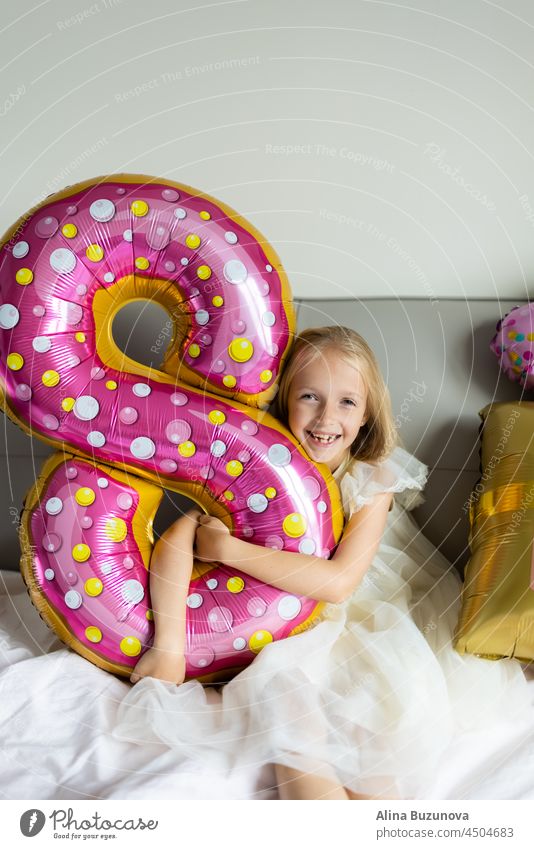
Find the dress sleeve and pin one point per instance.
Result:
(401, 473)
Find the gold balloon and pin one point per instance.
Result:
(497, 614)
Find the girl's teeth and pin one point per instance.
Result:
(323, 439)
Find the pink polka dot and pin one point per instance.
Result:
(218, 366)
(256, 606)
(38, 310)
(275, 542)
(243, 456)
(81, 290)
(249, 427)
(238, 326)
(206, 339)
(46, 227)
(273, 349)
(50, 421)
(86, 522)
(128, 415)
(178, 431)
(74, 314)
(128, 562)
(121, 191)
(52, 542)
(168, 466)
(220, 619)
(72, 578)
(158, 238)
(72, 209)
(201, 656)
(179, 399)
(264, 288)
(248, 532)
(97, 373)
(170, 195)
(169, 266)
(71, 473)
(312, 487)
(206, 472)
(527, 354)
(23, 392)
(124, 500)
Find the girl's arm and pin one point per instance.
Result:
(170, 574)
(331, 580)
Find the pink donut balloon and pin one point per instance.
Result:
(513, 344)
(66, 269)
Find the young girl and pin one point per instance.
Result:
(364, 704)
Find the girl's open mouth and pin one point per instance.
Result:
(322, 439)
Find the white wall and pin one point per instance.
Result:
(385, 148)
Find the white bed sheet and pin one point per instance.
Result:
(57, 712)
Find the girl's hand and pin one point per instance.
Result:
(166, 665)
(210, 538)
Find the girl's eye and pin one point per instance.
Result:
(350, 401)
(308, 395)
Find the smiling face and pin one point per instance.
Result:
(327, 406)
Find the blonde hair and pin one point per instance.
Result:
(378, 436)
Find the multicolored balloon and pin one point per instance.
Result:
(513, 344)
(66, 269)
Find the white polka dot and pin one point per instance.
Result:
(106, 568)
(81, 290)
(257, 502)
(184, 261)
(86, 408)
(141, 390)
(9, 316)
(63, 261)
(194, 600)
(307, 546)
(202, 317)
(321, 506)
(268, 318)
(268, 268)
(230, 237)
(279, 455)
(73, 599)
(212, 583)
(127, 235)
(289, 607)
(54, 506)
(218, 448)
(179, 212)
(74, 314)
(239, 643)
(109, 277)
(143, 448)
(49, 574)
(41, 344)
(21, 249)
(235, 271)
(103, 483)
(96, 438)
(132, 592)
(102, 210)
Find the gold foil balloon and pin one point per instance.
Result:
(497, 615)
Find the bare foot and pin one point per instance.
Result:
(156, 663)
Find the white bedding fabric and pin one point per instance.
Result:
(57, 712)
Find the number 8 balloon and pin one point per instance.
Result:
(126, 431)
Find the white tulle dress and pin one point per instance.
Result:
(372, 696)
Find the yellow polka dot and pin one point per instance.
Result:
(94, 253)
(142, 263)
(205, 215)
(81, 552)
(93, 586)
(194, 350)
(204, 272)
(149, 615)
(93, 634)
(216, 417)
(512, 334)
(217, 301)
(259, 639)
(130, 646)
(50, 378)
(229, 381)
(229, 495)
(67, 404)
(266, 376)
(187, 449)
(270, 492)
(24, 276)
(15, 361)
(115, 529)
(235, 584)
(241, 349)
(111, 384)
(193, 241)
(80, 337)
(139, 208)
(516, 369)
(234, 468)
(69, 231)
(84, 496)
(530, 337)
(294, 525)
